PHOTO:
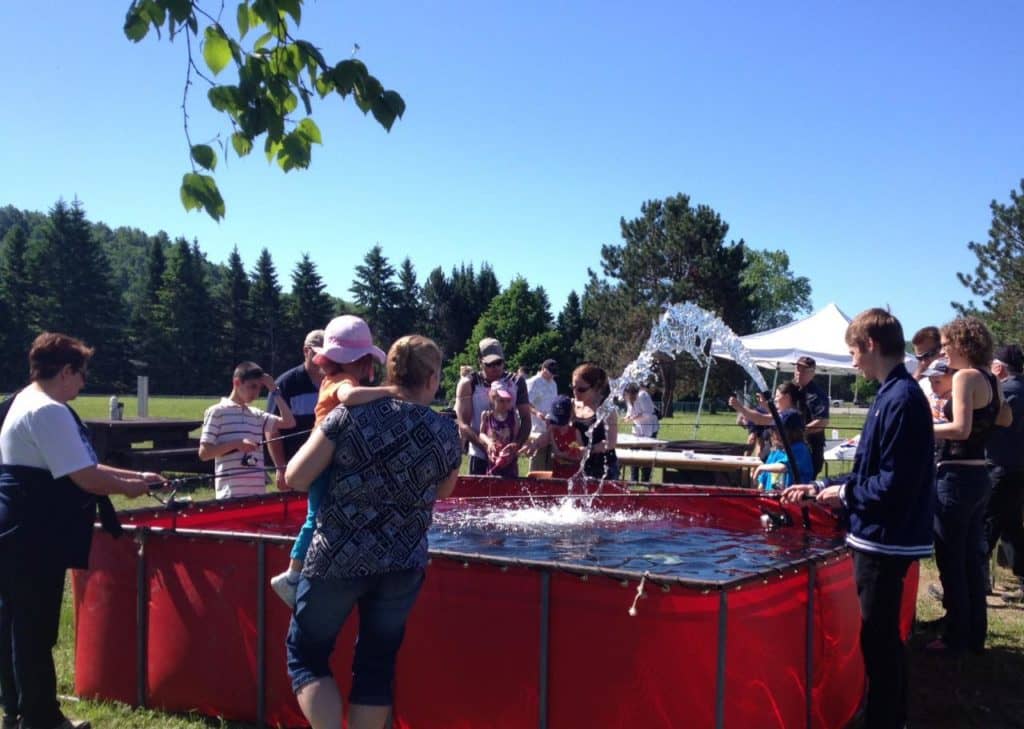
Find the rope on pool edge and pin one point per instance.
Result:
(639, 594)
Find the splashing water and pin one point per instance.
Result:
(681, 328)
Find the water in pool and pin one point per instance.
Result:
(695, 545)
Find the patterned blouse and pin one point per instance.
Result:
(389, 457)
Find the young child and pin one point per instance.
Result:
(498, 430)
(774, 473)
(564, 437)
(233, 431)
(346, 360)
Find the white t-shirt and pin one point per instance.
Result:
(41, 432)
(228, 421)
(542, 394)
(645, 422)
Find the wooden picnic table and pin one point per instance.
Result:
(172, 449)
(737, 470)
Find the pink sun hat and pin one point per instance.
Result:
(346, 339)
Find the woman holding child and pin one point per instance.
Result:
(389, 461)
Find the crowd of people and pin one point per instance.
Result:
(939, 466)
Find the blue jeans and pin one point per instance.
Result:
(960, 551)
(321, 608)
(305, 536)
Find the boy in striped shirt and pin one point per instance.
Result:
(233, 433)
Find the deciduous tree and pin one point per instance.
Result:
(273, 73)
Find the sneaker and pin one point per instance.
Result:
(284, 588)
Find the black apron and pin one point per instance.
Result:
(49, 519)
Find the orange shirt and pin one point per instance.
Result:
(327, 400)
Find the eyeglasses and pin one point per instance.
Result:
(580, 388)
(495, 363)
(926, 355)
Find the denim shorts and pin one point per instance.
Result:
(321, 608)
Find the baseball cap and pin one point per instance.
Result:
(346, 339)
(561, 411)
(490, 350)
(806, 361)
(314, 339)
(502, 389)
(1011, 356)
(938, 368)
(551, 366)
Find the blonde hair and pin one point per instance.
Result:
(412, 359)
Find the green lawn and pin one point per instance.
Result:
(977, 692)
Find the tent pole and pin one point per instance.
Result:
(700, 405)
(775, 378)
(830, 387)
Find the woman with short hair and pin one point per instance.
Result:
(389, 461)
(50, 489)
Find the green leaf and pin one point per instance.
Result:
(262, 41)
(347, 74)
(306, 102)
(225, 98)
(180, 9)
(241, 143)
(216, 49)
(204, 156)
(324, 85)
(293, 8)
(200, 192)
(310, 52)
(242, 17)
(135, 25)
(294, 152)
(308, 128)
(368, 93)
(271, 148)
(193, 24)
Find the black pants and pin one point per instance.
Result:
(1004, 519)
(643, 473)
(961, 495)
(816, 444)
(30, 618)
(880, 591)
(478, 466)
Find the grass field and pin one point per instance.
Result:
(978, 692)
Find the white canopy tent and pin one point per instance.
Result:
(822, 336)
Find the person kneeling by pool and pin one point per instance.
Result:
(370, 545)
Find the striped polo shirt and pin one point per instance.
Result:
(237, 473)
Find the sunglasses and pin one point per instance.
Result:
(580, 388)
(926, 355)
(495, 363)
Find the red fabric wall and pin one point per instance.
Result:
(472, 650)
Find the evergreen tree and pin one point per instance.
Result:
(267, 313)
(311, 306)
(16, 334)
(146, 338)
(999, 276)
(72, 292)
(233, 301)
(410, 311)
(570, 329)
(376, 293)
(185, 360)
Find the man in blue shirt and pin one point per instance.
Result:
(889, 499)
(1005, 455)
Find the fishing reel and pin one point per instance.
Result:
(772, 520)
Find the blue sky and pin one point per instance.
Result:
(865, 139)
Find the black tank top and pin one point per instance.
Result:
(598, 463)
(982, 423)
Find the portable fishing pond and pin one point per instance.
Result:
(524, 619)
